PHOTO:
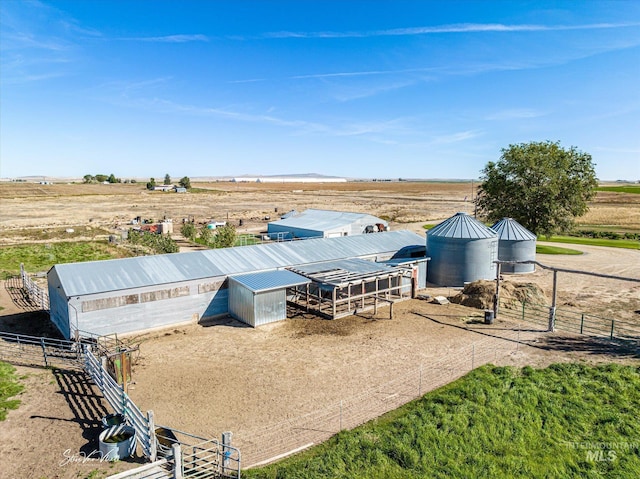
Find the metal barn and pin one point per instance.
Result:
(515, 243)
(314, 223)
(462, 250)
(136, 294)
(261, 298)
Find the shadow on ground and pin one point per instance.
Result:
(589, 346)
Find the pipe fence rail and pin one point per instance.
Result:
(121, 403)
(37, 295)
(39, 351)
(572, 321)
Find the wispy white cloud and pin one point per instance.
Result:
(455, 137)
(180, 38)
(514, 114)
(455, 28)
(361, 73)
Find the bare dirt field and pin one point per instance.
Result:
(301, 378)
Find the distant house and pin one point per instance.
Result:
(314, 223)
(163, 187)
(180, 189)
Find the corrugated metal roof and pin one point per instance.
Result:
(324, 220)
(120, 274)
(343, 272)
(510, 230)
(352, 265)
(270, 280)
(461, 225)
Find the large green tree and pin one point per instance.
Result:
(539, 184)
(185, 182)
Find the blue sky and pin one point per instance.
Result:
(412, 89)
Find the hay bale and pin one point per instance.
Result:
(479, 294)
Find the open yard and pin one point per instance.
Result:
(299, 381)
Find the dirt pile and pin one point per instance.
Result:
(479, 294)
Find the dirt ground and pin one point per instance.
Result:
(259, 383)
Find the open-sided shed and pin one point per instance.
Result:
(344, 287)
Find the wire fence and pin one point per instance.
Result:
(271, 443)
(572, 321)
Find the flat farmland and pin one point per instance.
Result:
(298, 381)
(28, 205)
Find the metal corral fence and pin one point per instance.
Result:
(274, 442)
(572, 321)
(38, 296)
(122, 404)
(199, 458)
(37, 351)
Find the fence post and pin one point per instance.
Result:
(612, 323)
(226, 452)
(177, 461)
(581, 323)
(524, 302)
(44, 352)
(552, 309)
(153, 451)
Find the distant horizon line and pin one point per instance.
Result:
(289, 177)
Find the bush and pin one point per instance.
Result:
(156, 242)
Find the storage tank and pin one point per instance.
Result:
(515, 243)
(462, 250)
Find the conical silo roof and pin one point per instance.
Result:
(510, 230)
(461, 225)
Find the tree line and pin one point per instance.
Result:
(184, 182)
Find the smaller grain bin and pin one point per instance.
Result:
(462, 250)
(515, 243)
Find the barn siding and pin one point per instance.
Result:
(149, 308)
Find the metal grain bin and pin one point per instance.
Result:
(462, 250)
(515, 243)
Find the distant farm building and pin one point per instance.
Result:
(288, 179)
(314, 223)
(328, 274)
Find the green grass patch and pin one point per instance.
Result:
(548, 249)
(41, 257)
(246, 240)
(621, 189)
(428, 227)
(495, 422)
(627, 244)
(9, 387)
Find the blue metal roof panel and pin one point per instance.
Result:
(352, 265)
(510, 230)
(270, 280)
(324, 220)
(461, 225)
(120, 274)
